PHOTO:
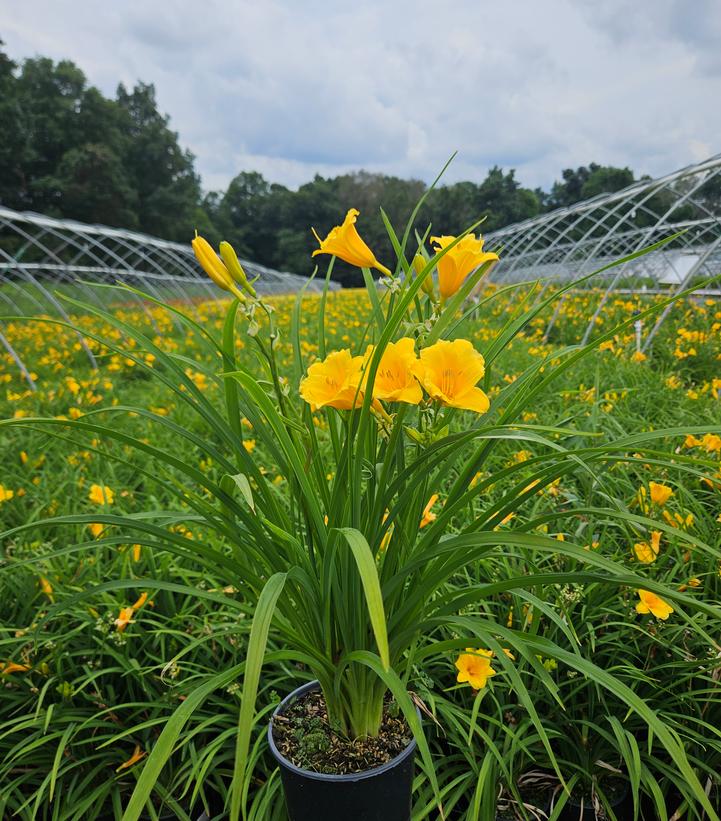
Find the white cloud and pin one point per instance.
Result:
(293, 89)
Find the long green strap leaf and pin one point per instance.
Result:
(368, 572)
(253, 663)
(165, 743)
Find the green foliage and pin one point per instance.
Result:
(94, 693)
(69, 151)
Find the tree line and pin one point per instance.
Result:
(69, 151)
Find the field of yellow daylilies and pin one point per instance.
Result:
(102, 637)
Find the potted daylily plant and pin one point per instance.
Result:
(383, 407)
(381, 454)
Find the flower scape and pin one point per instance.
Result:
(414, 493)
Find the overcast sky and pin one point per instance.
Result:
(308, 86)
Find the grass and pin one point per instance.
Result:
(88, 700)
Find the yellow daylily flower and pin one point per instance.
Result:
(137, 755)
(345, 242)
(474, 667)
(47, 588)
(395, 380)
(428, 516)
(101, 495)
(651, 603)
(333, 383)
(125, 618)
(660, 494)
(449, 371)
(459, 261)
(141, 601)
(711, 442)
(647, 552)
(8, 667)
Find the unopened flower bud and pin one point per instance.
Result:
(419, 263)
(230, 258)
(213, 266)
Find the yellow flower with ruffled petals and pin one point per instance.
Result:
(395, 380)
(647, 552)
(651, 603)
(660, 494)
(101, 495)
(345, 242)
(455, 265)
(474, 667)
(449, 371)
(333, 383)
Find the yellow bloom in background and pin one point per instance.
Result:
(395, 380)
(651, 603)
(137, 755)
(449, 371)
(711, 442)
(6, 494)
(647, 552)
(679, 520)
(8, 667)
(474, 667)
(101, 495)
(660, 494)
(47, 588)
(428, 515)
(136, 552)
(345, 242)
(125, 618)
(140, 602)
(333, 383)
(126, 613)
(96, 529)
(459, 262)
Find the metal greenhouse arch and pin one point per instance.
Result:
(572, 242)
(38, 253)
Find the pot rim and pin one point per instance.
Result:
(311, 774)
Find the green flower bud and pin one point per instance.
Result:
(235, 269)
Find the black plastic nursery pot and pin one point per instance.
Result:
(380, 794)
(576, 810)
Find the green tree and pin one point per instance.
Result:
(92, 187)
(585, 182)
(159, 170)
(12, 144)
